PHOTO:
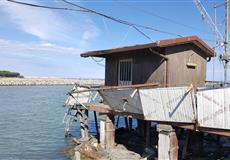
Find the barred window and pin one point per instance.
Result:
(125, 72)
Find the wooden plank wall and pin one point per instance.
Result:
(111, 71)
(147, 68)
(150, 68)
(178, 72)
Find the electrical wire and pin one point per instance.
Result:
(124, 38)
(163, 18)
(46, 7)
(107, 33)
(84, 9)
(98, 62)
(106, 29)
(134, 25)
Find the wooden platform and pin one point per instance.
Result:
(102, 108)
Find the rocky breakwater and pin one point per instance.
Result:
(47, 81)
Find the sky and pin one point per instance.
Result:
(48, 43)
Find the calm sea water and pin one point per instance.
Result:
(31, 125)
(31, 122)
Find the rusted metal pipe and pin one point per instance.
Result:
(159, 54)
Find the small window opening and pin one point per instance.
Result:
(125, 72)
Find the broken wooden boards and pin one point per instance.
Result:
(76, 97)
(208, 108)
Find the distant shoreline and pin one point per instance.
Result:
(47, 81)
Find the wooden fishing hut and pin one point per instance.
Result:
(153, 82)
(173, 62)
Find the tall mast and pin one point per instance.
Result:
(220, 39)
(226, 56)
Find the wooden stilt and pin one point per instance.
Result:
(117, 124)
(126, 122)
(218, 140)
(173, 152)
(96, 124)
(140, 127)
(147, 134)
(185, 146)
(86, 125)
(195, 142)
(130, 123)
(82, 126)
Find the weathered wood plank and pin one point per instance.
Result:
(148, 85)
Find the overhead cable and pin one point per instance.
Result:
(164, 18)
(134, 25)
(46, 7)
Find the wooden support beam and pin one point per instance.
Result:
(173, 146)
(147, 133)
(185, 146)
(102, 108)
(96, 124)
(130, 122)
(195, 142)
(141, 127)
(126, 122)
(117, 124)
(222, 132)
(86, 125)
(136, 86)
(190, 126)
(82, 126)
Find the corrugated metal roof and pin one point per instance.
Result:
(161, 44)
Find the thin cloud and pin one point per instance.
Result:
(46, 59)
(8, 46)
(49, 25)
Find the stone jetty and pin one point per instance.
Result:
(47, 81)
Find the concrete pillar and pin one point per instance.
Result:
(107, 131)
(167, 143)
(77, 155)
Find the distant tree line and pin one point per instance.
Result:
(10, 74)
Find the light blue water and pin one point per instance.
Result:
(31, 122)
(31, 125)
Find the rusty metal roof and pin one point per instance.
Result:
(161, 44)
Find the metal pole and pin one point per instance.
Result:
(216, 42)
(226, 42)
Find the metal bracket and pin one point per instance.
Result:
(225, 57)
